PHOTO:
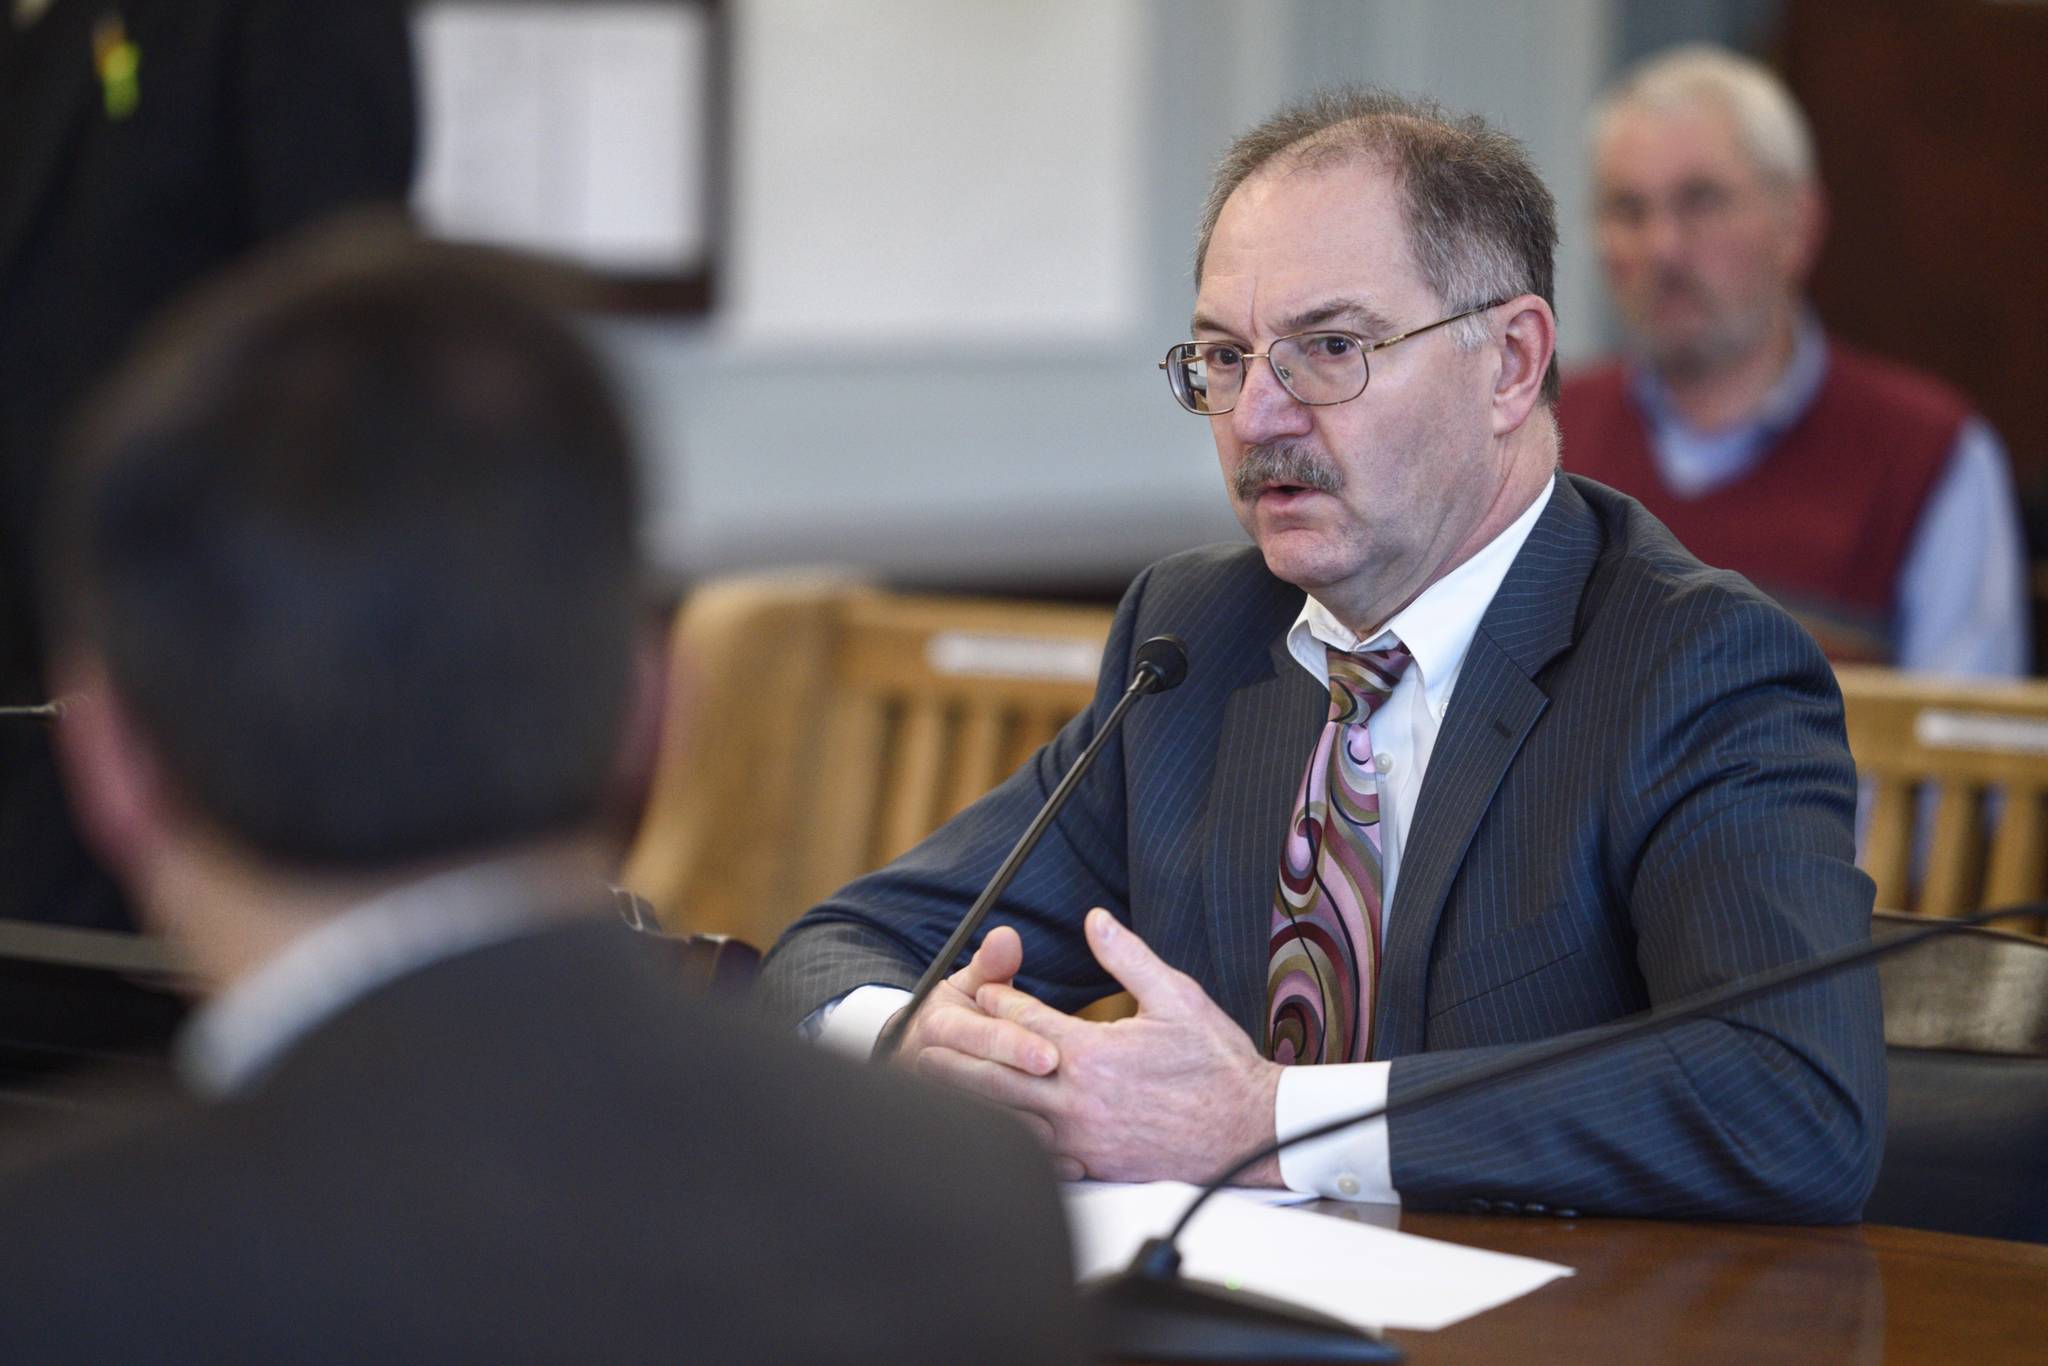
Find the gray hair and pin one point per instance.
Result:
(1768, 121)
(1481, 223)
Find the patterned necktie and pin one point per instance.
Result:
(1325, 945)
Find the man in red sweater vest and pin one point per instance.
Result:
(1866, 497)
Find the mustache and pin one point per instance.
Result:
(1284, 462)
(1676, 281)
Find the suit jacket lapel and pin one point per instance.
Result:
(55, 99)
(1497, 701)
(1269, 730)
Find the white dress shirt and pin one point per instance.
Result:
(1437, 628)
(236, 1037)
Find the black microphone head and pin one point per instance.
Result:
(1165, 660)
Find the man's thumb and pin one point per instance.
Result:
(1000, 957)
(1136, 968)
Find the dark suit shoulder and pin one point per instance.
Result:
(1648, 586)
(1233, 569)
(544, 1150)
(1221, 600)
(876, 1109)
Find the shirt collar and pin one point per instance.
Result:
(235, 1038)
(1437, 628)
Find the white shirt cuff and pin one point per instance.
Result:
(1351, 1164)
(853, 1023)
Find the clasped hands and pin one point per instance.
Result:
(1174, 1092)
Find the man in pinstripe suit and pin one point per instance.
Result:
(1607, 776)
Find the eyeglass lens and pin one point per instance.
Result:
(1315, 367)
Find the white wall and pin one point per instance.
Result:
(960, 237)
(925, 169)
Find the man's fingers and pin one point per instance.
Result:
(1156, 985)
(1019, 1007)
(991, 1037)
(1069, 1169)
(989, 1080)
(1040, 1127)
(1000, 957)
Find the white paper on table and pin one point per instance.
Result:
(1372, 1277)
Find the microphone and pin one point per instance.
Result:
(1159, 664)
(1149, 1312)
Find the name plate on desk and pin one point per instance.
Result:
(1000, 656)
(1978, 730)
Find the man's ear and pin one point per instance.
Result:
(116, 786)
(1528, 341)
(1806, 232)
(654, 721)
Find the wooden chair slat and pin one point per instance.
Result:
(978, 762)
(2017, 852)
(1888, 842)
(1984, 747)
(832, 725)
(914, 777)
(1956, 855)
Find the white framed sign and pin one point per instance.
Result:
(586, 130)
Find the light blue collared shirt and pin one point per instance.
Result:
(1962, 590)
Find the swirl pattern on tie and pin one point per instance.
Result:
(1325, 939)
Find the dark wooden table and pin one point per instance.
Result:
(1653, 1291)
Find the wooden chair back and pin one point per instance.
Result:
(819, 729)
(1982, 749)
(1975, 989)
(1966, 1060)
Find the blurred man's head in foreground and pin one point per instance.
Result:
(345, 566)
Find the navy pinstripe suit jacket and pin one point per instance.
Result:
(1641, 789)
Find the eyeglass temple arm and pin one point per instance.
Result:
(1364, 344)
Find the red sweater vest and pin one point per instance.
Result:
(1822, 523)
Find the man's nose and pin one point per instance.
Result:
(1265, 410)
(1664, 235)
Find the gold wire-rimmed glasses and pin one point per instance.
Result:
(1317, 368)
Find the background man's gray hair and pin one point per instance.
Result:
(1768, 121)
(1481, 223)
